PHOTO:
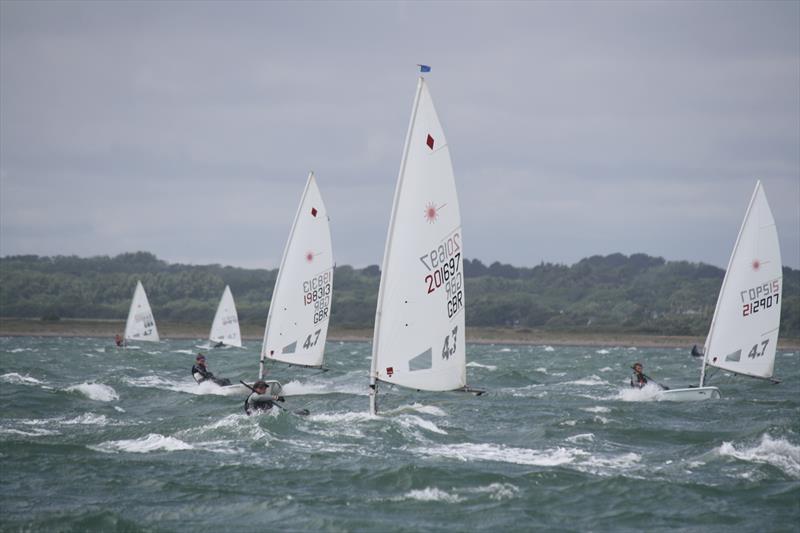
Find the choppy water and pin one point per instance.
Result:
(97, 438)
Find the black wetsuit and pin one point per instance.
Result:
(205, 374)
(257, 402)
(638, 380)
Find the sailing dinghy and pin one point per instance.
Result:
(225, 328)
(299, 313)
(141, 326)
(744, 331)
(419, 337)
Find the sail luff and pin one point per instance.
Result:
(388, 247)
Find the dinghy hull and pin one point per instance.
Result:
(692, 394)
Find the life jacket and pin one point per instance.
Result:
(257, 402)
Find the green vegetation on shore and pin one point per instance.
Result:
(615, 294)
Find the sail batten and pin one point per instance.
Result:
(141, 324)
(419, 339)
(299, 313)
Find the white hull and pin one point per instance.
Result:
(692, 394)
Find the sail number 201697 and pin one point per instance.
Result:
(444, 269)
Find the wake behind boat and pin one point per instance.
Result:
(743, 335)
(419, 338)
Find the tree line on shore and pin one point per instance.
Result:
(613, 293)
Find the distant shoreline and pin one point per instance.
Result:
(475, 335)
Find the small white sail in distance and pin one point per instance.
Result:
(141, 325)
(744, 331)
(299, 313)
(225, 328)
(419, 338)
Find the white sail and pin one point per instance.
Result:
(744, 331)
(297, 323)
(419, 339)
(141, 325)
(225, 328)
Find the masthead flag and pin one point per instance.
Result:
(424, 68)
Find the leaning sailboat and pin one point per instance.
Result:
(744, 330)
(299, 313)
(419, 337)
(140, 326)
(225, 328)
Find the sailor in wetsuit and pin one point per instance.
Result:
(638, 379)
(201, 373)
(258, 399)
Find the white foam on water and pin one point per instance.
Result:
(413, 421)
(778, 452)
(601, 465)
(602, 352)
(541, 369)
(189, 387)
(632, 348)
(151, 443)
(429, 494)
(568, 423)
(337, 418)
(118, 408)
(100, 350)
(606, 369)
(588, 437)
(338, 386)
(647, 393)
(152, 352)
(549, 349)
(478, 365)
(497, 491)
(596, 409)
(13, 377)
(33, 432)
(95, 391)
(19, 350)
(187, 352)
(88, 419)
(591, 381)
(505, 350)
(420, 408)
(505, 454)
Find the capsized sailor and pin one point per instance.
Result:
(201, 373)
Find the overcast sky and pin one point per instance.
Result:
(187, 129)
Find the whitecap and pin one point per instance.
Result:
(581, 437)
(505, 350)
(602, 352)
(430, 495)
(95, 391)
(478, 365)
(151, 443)
(18, 350)
(32, 432)
(549, 349)
(88, 419)
(777, 452)
(648, 393)
(420, 408)
(498, 491)
(591, 380)
(541, 369)
(606, 369)
(505, 454)
(187, 352)
(412, 421)
(596, 409)
(13, 377)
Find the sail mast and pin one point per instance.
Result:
(373, 387)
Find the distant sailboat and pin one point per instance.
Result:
(141, 326)
(299, 313)
(225, 328)
(744, 331)
(419, 338)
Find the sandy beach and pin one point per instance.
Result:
(171, 330)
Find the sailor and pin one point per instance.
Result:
(119, 340)
(220, 344)
(638, 379)
(201, 373)
(258, 399)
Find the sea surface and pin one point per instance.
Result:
(96, 438)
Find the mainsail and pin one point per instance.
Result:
(419, 338)
(744, 331)
(225, 328)
(141, 325)
(297, 323)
